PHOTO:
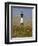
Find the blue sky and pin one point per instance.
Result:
(26, 11)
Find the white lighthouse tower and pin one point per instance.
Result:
(21, 21)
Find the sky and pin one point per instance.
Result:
(27, 12)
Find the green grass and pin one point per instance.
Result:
(21, 31)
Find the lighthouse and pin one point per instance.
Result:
(21, 21)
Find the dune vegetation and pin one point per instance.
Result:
(21, 31)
